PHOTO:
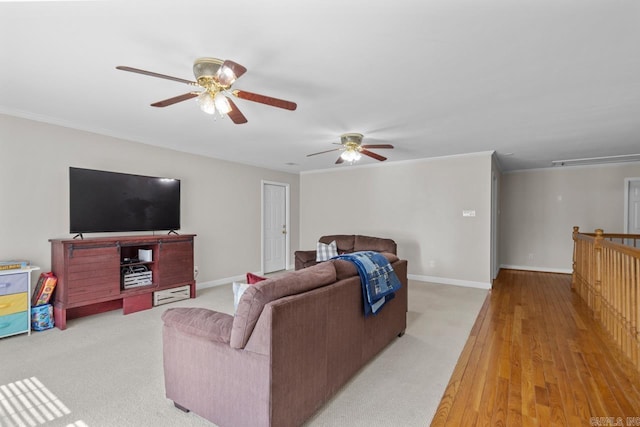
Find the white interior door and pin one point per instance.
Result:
(275, 228)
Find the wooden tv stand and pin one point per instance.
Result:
(90, 279)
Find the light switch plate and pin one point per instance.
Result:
(469, 213)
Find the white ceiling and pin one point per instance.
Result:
(543, 80)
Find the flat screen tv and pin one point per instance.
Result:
(101, 201)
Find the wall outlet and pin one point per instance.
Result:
(469, 213)
(195, 271)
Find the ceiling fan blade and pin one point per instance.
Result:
(275, 102)
(377, 146)
(175, 99)
(322, 152)
(340, 160)
(237, 69)
(152, 74)
(373, 155)
(235, 114)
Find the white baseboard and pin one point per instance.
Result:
(220, 282)
(418, 277)
(227, 280)
(540, 269)
(448, 281)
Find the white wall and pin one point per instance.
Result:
(417, 203)
(220, 200)
(540, 207)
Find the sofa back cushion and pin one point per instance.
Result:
(346, 269)
(366, 243)
(257, 296)
(343, 241)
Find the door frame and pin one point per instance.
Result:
(495, 209)
(287, 209)
(627, 188)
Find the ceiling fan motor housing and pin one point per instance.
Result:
(353, 138)
(206, 67)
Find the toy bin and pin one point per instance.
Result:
(42, 317)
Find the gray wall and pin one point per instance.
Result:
(417, 203)
(539, 208)
(220, 200)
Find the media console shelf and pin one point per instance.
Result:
(91, 272)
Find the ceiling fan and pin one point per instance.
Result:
(352, 149)
(215, 77)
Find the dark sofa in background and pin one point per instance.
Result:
(346, 243)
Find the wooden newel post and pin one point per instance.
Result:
(597, 297)
(574, 278)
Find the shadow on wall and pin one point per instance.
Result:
(409, 250)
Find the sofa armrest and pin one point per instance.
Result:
(304, 259)
(201, 322)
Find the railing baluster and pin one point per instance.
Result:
(606, 275)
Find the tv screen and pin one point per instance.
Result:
(101, 201)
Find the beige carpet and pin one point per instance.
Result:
(106, 370)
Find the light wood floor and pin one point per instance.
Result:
(535, 358)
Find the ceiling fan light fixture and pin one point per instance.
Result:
(226, 76)
(206, 102)
(351, 155)
(215, 77)
(352, 149)
(222, 103)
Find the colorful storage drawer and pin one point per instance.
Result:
(13, 283)
(14, 324)
(14, 303)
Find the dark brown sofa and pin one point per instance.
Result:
(346, 243)
(294, 341)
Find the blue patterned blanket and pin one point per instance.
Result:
(379, 281)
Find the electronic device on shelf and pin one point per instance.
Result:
(136, 275)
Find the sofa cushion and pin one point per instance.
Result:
(200, 322)
(238, 290)
(305, 256)
(366, 243)
(325, 252)
(252, 279)
(257, 296)
(343, 241)
(346, 269)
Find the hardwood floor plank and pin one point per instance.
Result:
(527, 385)
(488, 398)
(514, 414)
(536, 357)
(499, 418)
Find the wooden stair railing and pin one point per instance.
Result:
(606, 275)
